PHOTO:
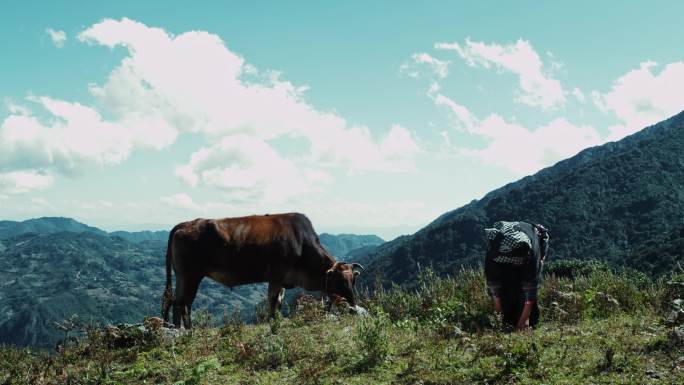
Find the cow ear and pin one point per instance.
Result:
(357, 273)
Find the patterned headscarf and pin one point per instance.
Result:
(513, 239)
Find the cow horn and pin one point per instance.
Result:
(355, 265)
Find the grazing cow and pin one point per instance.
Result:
(281, 249)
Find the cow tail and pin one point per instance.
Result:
(168, 297)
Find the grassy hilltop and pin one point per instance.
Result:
(600, 327)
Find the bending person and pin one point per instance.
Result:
(513, 264)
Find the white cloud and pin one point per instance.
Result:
(419, 61)
(537, 87)
(181, 201)
(17, 182)
(579, 95)
(246, 168)
(192, 82)
(222, 96)
(642, 97)
(523, 151)
(74, 138)
(16, 109)
(355, 149)
(58, 37)
(514, 147)
(382, 214)
(463, 118)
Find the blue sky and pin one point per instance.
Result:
(367, 117)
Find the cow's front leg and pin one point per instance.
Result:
(187, 317)
(276, 292)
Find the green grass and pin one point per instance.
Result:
(602, 328)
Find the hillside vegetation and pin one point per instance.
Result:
(49, 277)
(52, 268)
(622, 202)
(600, 327)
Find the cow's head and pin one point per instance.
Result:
(340, 279)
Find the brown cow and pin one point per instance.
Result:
(281, 249)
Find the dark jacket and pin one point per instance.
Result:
(515, 284)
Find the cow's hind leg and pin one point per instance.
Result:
(276, 292)
(186, 290)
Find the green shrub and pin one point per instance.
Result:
(265, 351)
(597, 292)
(560, 302)
(574, 268)
(522, 356)
(441, 303)
(673, 288)
(307, 311)
(233, 325)
(197, 373)
(630, 291)
(372, 337)
(202, 319)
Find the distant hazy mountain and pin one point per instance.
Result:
(48, 277)
(342, 244)
(338, 245)
(608, 202)
(139, 236)
(45, 225)
(51, 268)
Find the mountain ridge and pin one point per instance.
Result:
(45, 225)
(596, 198)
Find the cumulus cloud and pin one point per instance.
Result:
(355, 149)
(77, 133)
(17, 182)
(181, 201)
(74, 138)
(193, 82)
(169, 84)
(523, 151)
(58, 37)
(642, 97)
(537, 87)
(415, 68)
(463, 117)
(514, 147)
(245, 167)
(380, 214)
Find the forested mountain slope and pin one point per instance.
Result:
(607, 202)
